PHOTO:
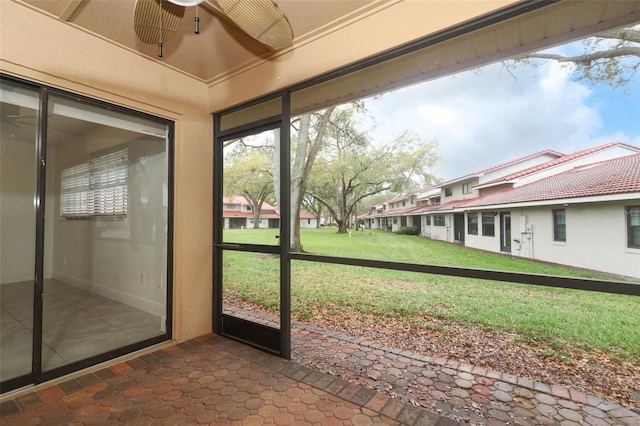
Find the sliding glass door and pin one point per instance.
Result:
(86, 233)
(19, 111)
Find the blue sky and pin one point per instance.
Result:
(490, 115)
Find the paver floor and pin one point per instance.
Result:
(332, 379)
(210, 380)
(456, 390)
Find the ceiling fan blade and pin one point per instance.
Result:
(146, 20)
(261, 19)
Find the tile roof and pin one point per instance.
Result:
(234, 199)
(517, 160)
(616, 176)
(396, 212)
(560, 160)
(445, 207)
(236, 213)
(238, 199)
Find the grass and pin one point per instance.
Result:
(559, 317)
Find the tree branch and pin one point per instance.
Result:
(589, 58)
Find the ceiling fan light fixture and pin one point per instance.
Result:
(261, 19)
(186, 3)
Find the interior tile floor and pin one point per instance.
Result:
(77, 324)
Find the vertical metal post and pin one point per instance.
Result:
(38, 291)
(285, 228)
(217, 225)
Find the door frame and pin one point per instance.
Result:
(37, 375)
(458, 227)
(505, 232)
(270, 339)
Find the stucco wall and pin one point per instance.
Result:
(443, 233)
(596, 238)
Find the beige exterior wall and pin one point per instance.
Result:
(42, 49)
(596, 237)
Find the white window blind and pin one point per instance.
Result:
(75, 198)
(96, 188)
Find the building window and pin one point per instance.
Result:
(97, 188)
(472, 223)
(488, 225)
(633, 227)
(466, 188)
(429, 220)
(438, 220)
(559, 225)
(308, 221)
(448, 192)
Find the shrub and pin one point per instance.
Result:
(407, 230)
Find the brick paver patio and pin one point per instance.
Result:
(210, 380)
(332, 379)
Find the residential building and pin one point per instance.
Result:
(238, 214)
(586, 217)
(526, 208)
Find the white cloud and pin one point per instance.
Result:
(491, 115)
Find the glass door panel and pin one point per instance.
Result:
(105, 251)
(505, 232)
(250, 258)
(250, 203)
(18, 184)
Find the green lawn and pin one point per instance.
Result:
(558, 316)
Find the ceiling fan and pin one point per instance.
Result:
(15, 121)
(155, 21)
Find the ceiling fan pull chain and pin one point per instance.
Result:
(160, 33)
(197, 21)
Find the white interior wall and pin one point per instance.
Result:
(124, 260)
(17, 210)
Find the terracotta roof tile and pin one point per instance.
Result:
(617, 176)
(516, 160)
(560, 160)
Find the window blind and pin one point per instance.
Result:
(75, 197)
(109, 179)
(96, 188)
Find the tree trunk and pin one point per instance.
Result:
(256, 218)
